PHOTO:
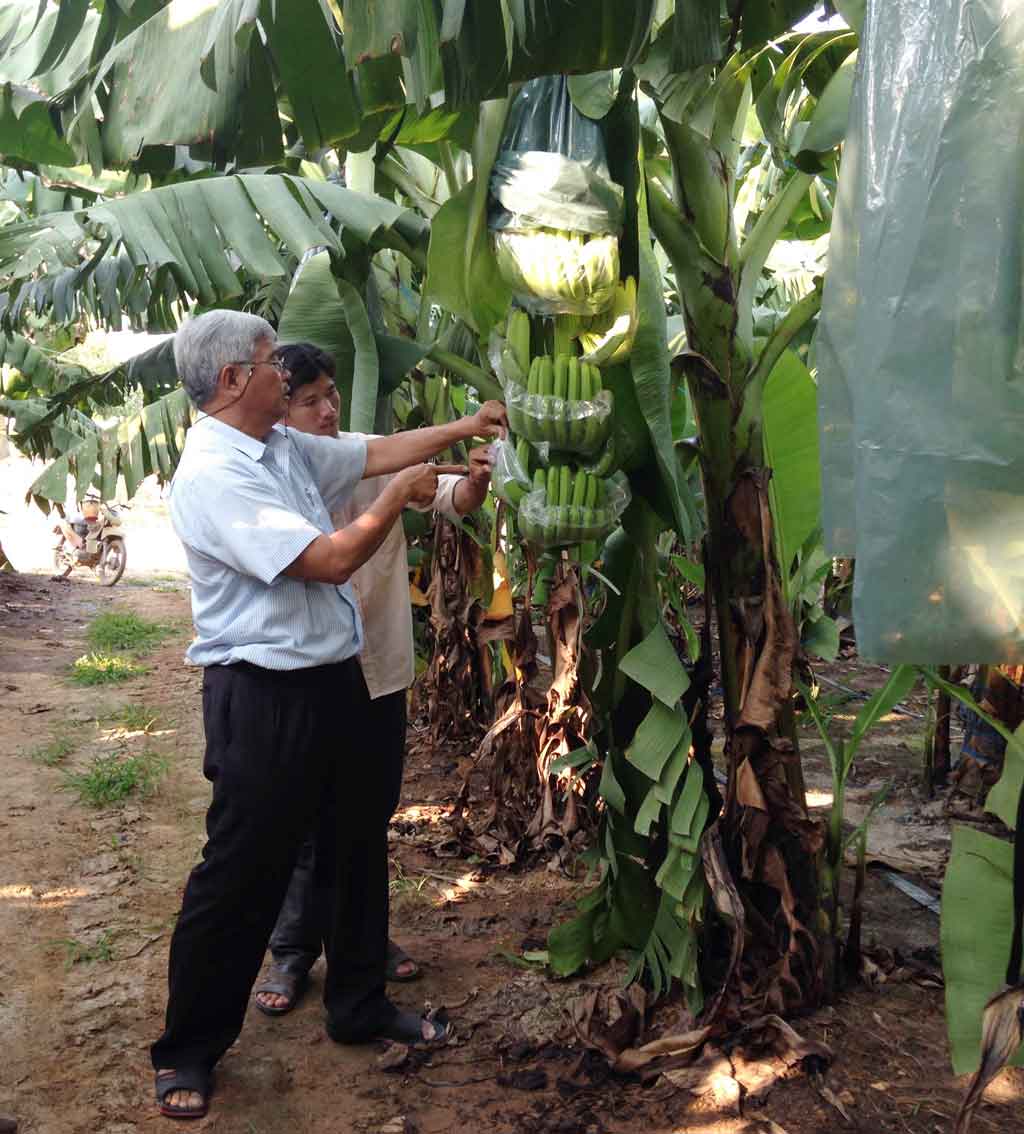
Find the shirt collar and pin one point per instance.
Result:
(250, 446)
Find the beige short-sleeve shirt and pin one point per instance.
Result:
(381, 586)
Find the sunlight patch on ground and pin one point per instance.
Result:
(58, 897)
(819, 799)
(461, 887)
(420, 813)
(117, 733)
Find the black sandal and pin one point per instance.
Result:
(406, 1028)
(281, 982)
(185, 1079)
(397, 957)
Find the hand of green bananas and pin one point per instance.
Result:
(559, 271)
(562, 404)
(566, 506)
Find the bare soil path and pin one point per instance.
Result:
(88, 897)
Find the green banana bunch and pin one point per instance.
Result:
(570, 415)
(567, 506)
(568, 272)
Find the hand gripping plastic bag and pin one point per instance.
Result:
(921, 344)
(572, 507)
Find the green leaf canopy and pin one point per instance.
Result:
(190, 241)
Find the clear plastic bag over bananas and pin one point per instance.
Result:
(556, 272)
(569, 505)
(562, 404)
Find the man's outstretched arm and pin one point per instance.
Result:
(389, 454)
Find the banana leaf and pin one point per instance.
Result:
(302, 44)
(977, 916)
(462, 274)
(191, 240)
(27, 130)
(47, 45)
(790, 431)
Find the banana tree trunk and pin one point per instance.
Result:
(770, 844)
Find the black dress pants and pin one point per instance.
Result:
(378, 729)
(283, 760)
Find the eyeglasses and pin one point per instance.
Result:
(252, 363)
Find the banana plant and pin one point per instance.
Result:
(703, 138)
(842, 754)
(677, 151)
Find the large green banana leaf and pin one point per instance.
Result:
(209, 74)
(217, 94)
(977, 916)
(27, 130)
(191, 240)
(790, 426)
(46, 45)
(462, 274)
(150, 442)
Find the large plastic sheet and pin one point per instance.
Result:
(921, 345)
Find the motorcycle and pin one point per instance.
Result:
(103, 547)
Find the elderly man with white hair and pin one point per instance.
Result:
(277, 630)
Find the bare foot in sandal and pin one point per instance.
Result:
(175, 1097)
(280, 991)
(400, 966)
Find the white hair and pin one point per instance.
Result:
(205, 345)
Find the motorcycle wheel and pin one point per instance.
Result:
(112, 562)
(61, 567)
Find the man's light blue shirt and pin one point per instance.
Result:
(246, 509)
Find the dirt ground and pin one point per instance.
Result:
(88, 897)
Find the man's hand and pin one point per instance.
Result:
(471, 491)
(403, 450)
(418, 484)
(480, 465)
(490, 420)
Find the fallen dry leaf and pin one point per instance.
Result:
(1002, 1031)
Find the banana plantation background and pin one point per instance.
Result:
(328, 165)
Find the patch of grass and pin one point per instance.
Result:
(115, 776)
(404, 890)
(80, 953)
(104, 669)
(55, 751)
(116, 630)
(137, 717)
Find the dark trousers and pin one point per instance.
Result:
(284, 760)
(379, 726)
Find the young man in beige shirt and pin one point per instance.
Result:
(387, 661)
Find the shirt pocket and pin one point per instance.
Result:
(313, 507)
